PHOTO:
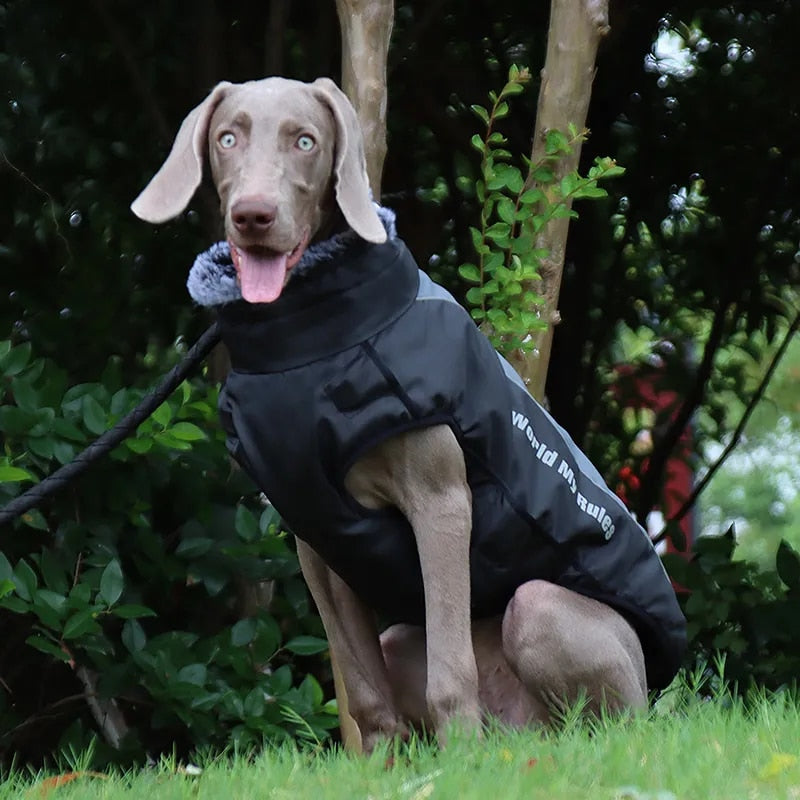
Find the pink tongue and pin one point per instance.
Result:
(261, 276)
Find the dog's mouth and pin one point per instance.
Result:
(262, 272)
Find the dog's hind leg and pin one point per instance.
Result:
(501, 694)
(563, 645)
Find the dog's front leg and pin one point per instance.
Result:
(423, 474)
(353, 639)
(440, 513)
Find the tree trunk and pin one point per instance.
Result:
(366, 27)
(576, 28)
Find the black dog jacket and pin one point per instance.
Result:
(366, 346)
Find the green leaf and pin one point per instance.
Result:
(561, 211)
(133, 636)
(214, 576)
(25, 580)
(80, 595)
(787, 562)
(246, 524)
(496, 181)
(478, 143)
(306, 645)
(569, 183)
(531, 196)
(13, 362)
(254, 702)
(66, 430)
(513, 88)
(506, 210)
(194, 674)
(42, 446)
(270, 519)
(48, 647)
(6, 587)
(80, 623)
(475, 296)
(15, 604)
(243, 632)
(590, 191)
(556, 143)
(53, 572)
(493, 261)
(21, 422)
(120, 402)
(501, 110)
(54, 600)
(9, 474)
(311, 688)
(139, 446)
(63, 452)
(163, 415)
(469, 272)
(477, 237)
(25, 395)
(514, 180)
(166, 439)
(111, 583)
(267, 639)
(187, 432)
(94, 415)
(194, 547)
(481, 113)
(132, 611)
(498, 231)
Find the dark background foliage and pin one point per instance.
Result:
(91, 98)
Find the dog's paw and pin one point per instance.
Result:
(372, 735)
(455, 715)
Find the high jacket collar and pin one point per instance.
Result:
(344, 291)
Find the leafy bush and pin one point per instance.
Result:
(514, 208)
(142, 581)
(735, 608)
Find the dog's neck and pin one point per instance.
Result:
(212, 278)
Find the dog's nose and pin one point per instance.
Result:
(253, 216)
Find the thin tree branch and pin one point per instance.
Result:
(105, 711)
(737, 434)
(694, 398)
(41, 714)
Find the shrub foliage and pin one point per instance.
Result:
(145, 576)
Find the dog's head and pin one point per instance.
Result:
(282, 153)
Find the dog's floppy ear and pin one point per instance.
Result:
(352, 184)
(172, 187)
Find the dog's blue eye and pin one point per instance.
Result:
(305, 143)
(227, 140)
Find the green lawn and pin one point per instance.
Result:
(715, 749)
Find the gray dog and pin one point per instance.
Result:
(420, 478)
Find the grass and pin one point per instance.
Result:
(682, 750)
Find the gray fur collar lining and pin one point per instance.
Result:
(212, 278)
